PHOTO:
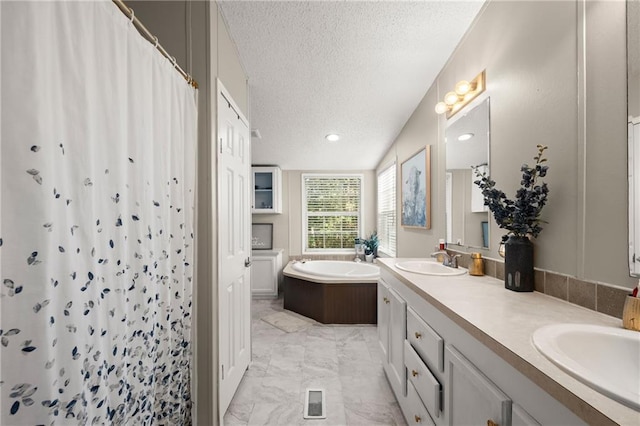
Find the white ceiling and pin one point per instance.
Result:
(354, 68)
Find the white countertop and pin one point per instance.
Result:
(505, 321)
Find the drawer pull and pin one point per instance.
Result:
(414, 373)
(418, 335)
(385, 300)
(492, 423)
(418, 418)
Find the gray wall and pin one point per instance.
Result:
(287, 227)
(195, 33)
(548, 85)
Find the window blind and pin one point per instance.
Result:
(387, 210)
(332, 205)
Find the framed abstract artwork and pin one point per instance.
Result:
(416, 190)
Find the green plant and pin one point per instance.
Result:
(371, 244)
(521, 217)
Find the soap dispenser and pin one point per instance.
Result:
(476, 267)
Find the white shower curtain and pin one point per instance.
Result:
(96, 220)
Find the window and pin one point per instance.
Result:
(331, 212)
(387, 210)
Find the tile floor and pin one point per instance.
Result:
(344, 360)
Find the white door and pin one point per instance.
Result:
(234, 221)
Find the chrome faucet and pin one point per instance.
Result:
(450, 260)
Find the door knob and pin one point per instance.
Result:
(247, 262)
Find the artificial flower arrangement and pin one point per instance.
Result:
(521, 217)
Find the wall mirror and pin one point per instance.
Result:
(467, 145)
(633, 108)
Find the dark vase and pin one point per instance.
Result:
(518, 264)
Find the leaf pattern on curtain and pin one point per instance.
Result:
(96, 223)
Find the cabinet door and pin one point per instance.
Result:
(264, 282)
(397, 336)
(520, 417)
(472, 399)
(266, 190)
(383, 320)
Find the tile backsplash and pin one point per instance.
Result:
(600, 297)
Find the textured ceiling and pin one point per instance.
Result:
(358, 69)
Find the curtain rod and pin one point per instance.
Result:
(153, 39)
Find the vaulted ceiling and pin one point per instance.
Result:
(355, 68)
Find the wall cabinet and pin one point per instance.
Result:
(266, 273)
(267, 195)
(448, 377)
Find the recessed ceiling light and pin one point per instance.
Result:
(332, 137)
(465, 136)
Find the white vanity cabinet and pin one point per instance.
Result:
(392, 329)
(451, 378)
(267, 195)
(266, 272)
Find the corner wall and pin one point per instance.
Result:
(287, 227)
(548, 85)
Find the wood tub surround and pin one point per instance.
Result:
(332, 303)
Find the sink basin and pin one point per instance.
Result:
(605, 358)
(429, 267)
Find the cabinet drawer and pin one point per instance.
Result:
(417, 413)
(428, 344)
(425, 384)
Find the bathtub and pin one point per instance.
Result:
(338, 269)
(332, 292)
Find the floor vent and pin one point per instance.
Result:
(314, 404)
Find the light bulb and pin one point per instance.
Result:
(441, 108)
(451, 98)
(462, 87)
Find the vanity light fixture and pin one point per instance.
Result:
(465, 92)
(332, 137)
(465, 137)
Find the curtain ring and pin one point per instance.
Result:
(173, 61)
(155, 39)
(133, 15)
